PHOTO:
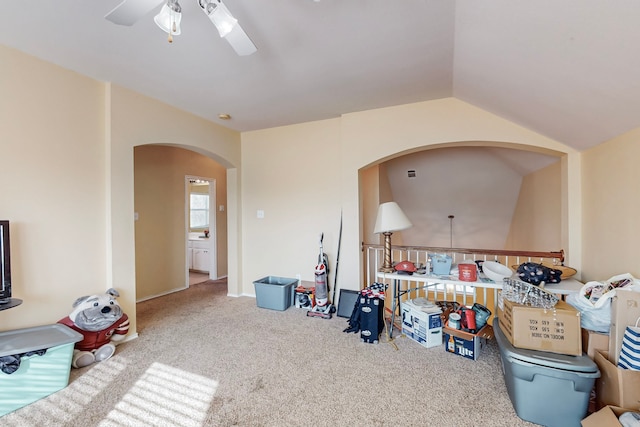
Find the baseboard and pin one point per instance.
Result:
(173, 291)
(128, 337)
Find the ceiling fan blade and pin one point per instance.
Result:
(227, 26)
(130, 11)
(240, 41)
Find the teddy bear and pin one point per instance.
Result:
(102, 324)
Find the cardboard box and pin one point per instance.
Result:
(304, 297)
(616, 386)
(605, 417)
(424, 328)
(555, 330)
(625, 310)
(466, 344)
(592, 341)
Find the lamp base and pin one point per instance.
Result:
(387, 265)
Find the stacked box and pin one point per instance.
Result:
(275, 293)
(466, 344)
(424, 328)
(605, 417)
(41, 374)
(616, 386)
(556, 330)
(625, 310)
(592, 341)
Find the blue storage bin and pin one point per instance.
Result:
(38, 376)
(275, 293)
(546, 388)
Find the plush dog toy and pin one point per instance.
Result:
(102, 323)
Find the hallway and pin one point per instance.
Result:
(197, 277)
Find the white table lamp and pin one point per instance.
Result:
(390, 218)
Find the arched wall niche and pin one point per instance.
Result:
(488, 186)
(473, 143)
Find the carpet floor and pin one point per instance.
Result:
(205, 359)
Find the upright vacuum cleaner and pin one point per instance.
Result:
(323, 306)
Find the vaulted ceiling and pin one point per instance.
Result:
(567, 69)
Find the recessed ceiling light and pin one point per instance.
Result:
(224, 116)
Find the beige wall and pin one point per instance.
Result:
(67, 164)
(136, 120)
(536, 223)
(371, 183)
(53, 188)
(292, 174)
(330, 155)
(373, 136)
(611, 231)
(159, 176)
(473, 184)
(68, 142)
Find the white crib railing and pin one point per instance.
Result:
(463, 294)
(373, 256)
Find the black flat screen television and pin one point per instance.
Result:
(5, 263)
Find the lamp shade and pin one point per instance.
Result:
(391, 218)
(169, 19)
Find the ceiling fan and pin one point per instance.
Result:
(130, 11)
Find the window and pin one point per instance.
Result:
(199, 206)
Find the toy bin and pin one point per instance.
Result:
(275, 293)
(38, 375)
(546, 388)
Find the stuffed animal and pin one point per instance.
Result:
(102, 323)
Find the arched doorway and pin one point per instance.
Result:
(161, 246)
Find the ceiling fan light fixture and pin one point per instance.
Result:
(169, 18)
(219, 15)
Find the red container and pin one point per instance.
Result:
(467, 272)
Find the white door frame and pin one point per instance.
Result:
(213, 235)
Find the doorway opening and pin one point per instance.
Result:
(200, 229)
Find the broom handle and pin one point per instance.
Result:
(335, 274)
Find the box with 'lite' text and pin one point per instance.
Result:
(466, 344)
